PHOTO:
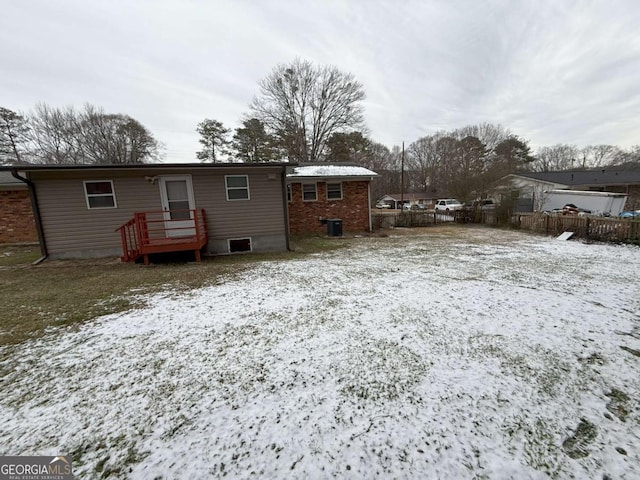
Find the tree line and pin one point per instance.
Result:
(304, 113)
(67, 136)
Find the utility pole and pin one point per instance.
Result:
(402, 180)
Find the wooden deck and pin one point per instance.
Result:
(162, 232)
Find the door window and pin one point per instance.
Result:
(178, 199)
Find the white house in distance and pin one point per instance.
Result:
(530, 188)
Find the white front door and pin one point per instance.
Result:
(176, 193)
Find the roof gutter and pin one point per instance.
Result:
(36, 215)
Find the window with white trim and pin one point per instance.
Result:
(309, 192)
(100, 194)
(334, 191)
(237, 187)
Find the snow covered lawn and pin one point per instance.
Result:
(482, 354)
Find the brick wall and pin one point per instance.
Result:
(16, 217)
(353, 209)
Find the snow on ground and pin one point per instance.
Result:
(489, 354)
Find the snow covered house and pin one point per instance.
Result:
(137, 210)
(318, 193)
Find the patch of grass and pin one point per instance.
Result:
(12, 255)
(68, 292)
(577, 445)
(619, 403)
(540, 451)
(316, 243)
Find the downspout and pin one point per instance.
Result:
(369, 205)
(285, 206)
(36, 216)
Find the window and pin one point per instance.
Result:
(239, 245)
(100, 194)
(237, 187)
(289, 193)
(309, 193)
(334, 191)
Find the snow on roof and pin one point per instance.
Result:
(331, 171)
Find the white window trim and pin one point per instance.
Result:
(227, 188)
(87, 195)
(315, 185)
(327, 189)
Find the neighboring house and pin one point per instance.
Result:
(80, 207)
(427, 200)
(17, 224)
(317, 193)
(530, 188)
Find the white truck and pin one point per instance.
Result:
(598, 203)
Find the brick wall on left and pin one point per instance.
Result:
(16, 217)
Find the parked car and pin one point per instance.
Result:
(413, 206)
(447, 205)
(485, 204)
(382, 205)
(630, 214)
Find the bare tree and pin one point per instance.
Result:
(425, 161)
(115, 138)
(304, 105)
(55, 135)
(555, 158)
(13, 136)
(489, 134)
(68, 136)
(596, 156)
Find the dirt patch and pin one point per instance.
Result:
(576, 446)
(618, 403)
(593, 359)
(632, 351)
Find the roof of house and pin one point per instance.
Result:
(414, 196)
(586, 177)
(142, 166)
(9, 182)
(334, 170)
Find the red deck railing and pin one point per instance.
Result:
(163, 231)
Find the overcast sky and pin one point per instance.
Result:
(555, 71)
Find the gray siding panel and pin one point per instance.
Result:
(69, 226)
(263, 214)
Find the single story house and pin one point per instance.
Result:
(104, 210)
(530, 188)
(17, 224)
(317, 193)
(81, 211)
(426, 200)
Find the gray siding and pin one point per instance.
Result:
(71, 229)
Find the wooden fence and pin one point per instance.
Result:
(593, 228)
(421, 218)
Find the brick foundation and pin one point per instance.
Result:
(16, 217)
(353, 209)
